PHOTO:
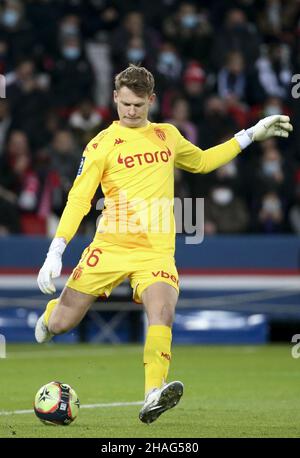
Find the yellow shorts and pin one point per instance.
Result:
(104, 266)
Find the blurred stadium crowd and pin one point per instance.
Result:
(219, 67)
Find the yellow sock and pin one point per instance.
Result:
(157, 356)
(49, 308)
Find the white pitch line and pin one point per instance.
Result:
(84, 406)
(49, 353)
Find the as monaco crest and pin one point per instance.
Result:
(160, 133)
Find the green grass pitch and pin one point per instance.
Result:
(230, 391)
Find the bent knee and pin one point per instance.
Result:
(162, 314)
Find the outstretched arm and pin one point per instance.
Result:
(193, 159)
(271, 126)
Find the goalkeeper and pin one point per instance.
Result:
(133, 160)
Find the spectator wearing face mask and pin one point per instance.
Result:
(85, 122)
(169, 64)
(133, 40)
(16, 30)
(224, 212)
(69, 26)
(270, 216)
(168, 70)
(271, 166)
(273, 173)
(271, 106)
(72, 76)
(71, 48)
(136, 53)
(191, 32)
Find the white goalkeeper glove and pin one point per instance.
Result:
(271, 126)
(52, 266)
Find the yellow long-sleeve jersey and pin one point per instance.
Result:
(135, 167)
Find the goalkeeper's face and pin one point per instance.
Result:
(132, 109)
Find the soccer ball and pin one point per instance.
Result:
(56, 403)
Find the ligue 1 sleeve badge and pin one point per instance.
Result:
(81, 165)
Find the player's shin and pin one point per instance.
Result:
(157, 356)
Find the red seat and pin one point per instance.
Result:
(32, 224)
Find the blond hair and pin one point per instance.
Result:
(138, 79)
